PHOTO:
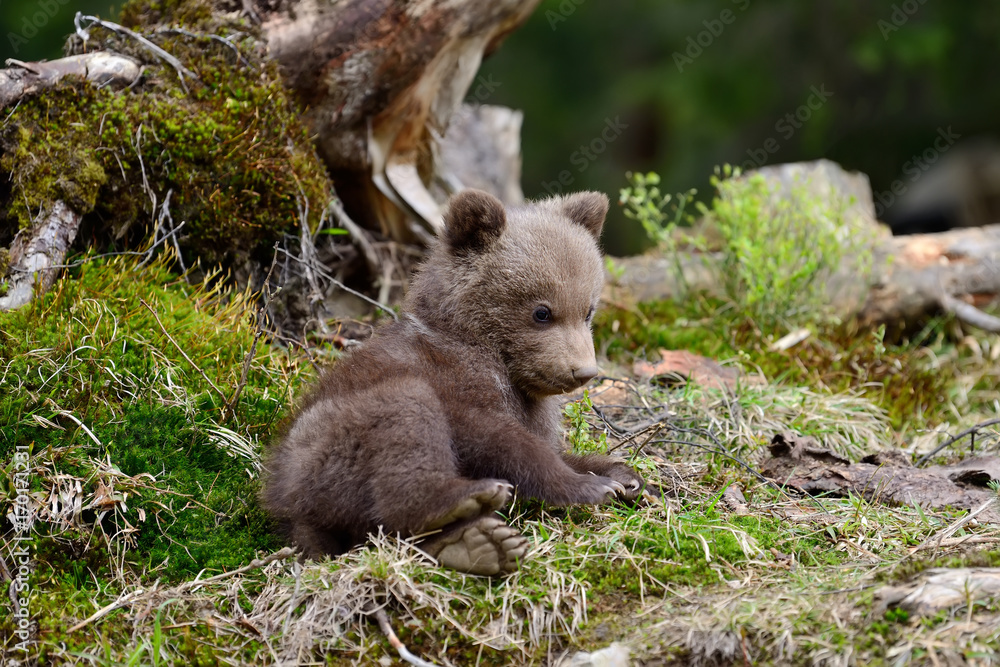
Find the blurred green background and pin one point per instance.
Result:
(679, 86)
(36, 29)
(896, 73)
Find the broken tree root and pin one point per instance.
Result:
(38, 252)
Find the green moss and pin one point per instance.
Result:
(194, 14)
(892, 375)
(231, 151)
(155, 432)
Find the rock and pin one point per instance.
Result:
(616, 655)
(826, 180)
(940, 588)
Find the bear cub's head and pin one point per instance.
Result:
(523, 282)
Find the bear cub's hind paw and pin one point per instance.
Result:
(488, 496)
(484, 545)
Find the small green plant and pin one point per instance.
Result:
(579, 432)
(777, 252)
(643, 201)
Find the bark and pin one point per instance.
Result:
(887, 477)
(380, 79)
(956, 271)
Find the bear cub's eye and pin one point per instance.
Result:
(542, 314)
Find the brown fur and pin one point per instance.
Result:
(421, 427)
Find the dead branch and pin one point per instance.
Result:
(912, 278)
(81, 30)
(102, 68)
(969, 314)
(358, 235)
(266, 295)
(951, 441)
(37, 252)
(282, 554)
(404, 653)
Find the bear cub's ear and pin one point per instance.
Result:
(474, 220)
(588, 209)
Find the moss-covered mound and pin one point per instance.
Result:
(227, 146)
(115, 382)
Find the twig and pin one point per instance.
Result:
(159, 238)
(12, 112)
(183, 353)
(949, 442)
(342, 286)
(404, 653)
(165, 218)
(721, 452)
(142, 168)
(104, 611)
(249, 11)
(266, 296)
(946, 533)
(282, 554)
(122, 30)
(969, 314)
(968, 539)
(357, 235)
(214, 38)
(23, 65)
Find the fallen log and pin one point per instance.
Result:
(912, 277)
(100, 68)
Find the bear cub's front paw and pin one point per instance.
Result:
(596, 490)
(632, 483)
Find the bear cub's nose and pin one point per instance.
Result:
(585, 374)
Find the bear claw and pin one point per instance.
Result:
(485, 545)
(492, 496)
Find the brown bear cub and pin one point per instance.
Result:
(429, 426)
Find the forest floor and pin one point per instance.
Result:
(145, 403)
